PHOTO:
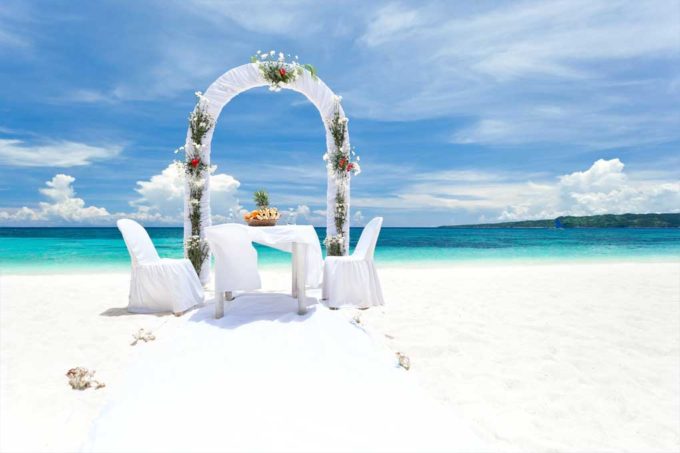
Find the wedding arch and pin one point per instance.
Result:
(277, 72)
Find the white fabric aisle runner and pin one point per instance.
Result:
(265, 379)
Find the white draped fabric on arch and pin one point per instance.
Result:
(246, 77)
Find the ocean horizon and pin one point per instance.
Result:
(67, 249)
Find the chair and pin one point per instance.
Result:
(235, 262)
(353, 280)
(157, 285)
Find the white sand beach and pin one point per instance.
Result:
(543, 357)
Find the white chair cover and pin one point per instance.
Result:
(157, 285)
(235, 258)
(353, 280)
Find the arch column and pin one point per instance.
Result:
(219, 94)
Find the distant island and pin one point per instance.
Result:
(591, 221)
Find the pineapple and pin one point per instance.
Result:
(261, 199)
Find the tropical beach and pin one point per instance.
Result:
(512, 348)
(232, 226)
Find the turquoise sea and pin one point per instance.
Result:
(29, 250)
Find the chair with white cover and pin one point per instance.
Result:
(235, 262)
(157, 285)
(353, 280)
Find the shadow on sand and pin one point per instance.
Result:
(122, 311)
(253, 307)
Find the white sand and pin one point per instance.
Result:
(577, 357)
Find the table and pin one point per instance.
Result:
(306, 261)
(298, 290)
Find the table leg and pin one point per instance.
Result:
(294, 266)
(299, 265)
(219, 302)
(219, 305)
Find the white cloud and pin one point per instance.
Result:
(303, 214)
(90, 96)
(162, 196)
(390, 22)
(515, 73)
(11, 40)
(16, 153)
(10, 16)
(62, 206)
(527, 72)
(544, 124)
(525, 38)
(602, 176)
(603, 188)
(160, 200)
(303, 210)
(280, 17)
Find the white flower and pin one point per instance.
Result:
(358, 157)
(271, 52)
(337, 98)
(197, 183)
(357, 168)
(296, 57)
(344, 120)
(258, 52)
(281, 56)
(198, 94)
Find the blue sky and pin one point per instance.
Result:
(461, 111)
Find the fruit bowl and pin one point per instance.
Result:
(261, 223)
(262, 217)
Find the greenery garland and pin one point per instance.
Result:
(200, 122)
(340, 165)
(276, 70)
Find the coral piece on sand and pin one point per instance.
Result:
(404, 361)
(142, 335)
(81, 378)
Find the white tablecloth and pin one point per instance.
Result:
(281, 237)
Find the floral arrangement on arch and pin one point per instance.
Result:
(341, 163)
(194, 167)
(277, 70)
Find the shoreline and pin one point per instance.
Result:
(122, 268)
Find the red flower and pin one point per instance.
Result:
(342, 162)
(195, 162)
(282, 71)
(350, 167)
